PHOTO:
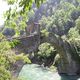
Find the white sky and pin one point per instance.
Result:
(3, 7)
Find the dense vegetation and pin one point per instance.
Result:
(8, 58)
(64, 22)
(61, 18)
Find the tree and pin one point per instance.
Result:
(67, 44)
(17, 17)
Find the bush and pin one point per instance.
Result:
(4, 74)
(8, 58)
(14, 43)
(22, 57)
(46, 50)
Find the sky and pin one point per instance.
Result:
(3, 8)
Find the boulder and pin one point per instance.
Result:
(8, 32)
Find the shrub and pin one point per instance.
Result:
(4, 74)
(8, 58)
(22, 57)
(46, 50)
(14, 43)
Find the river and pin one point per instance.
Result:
(36, 72)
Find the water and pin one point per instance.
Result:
(35, 72)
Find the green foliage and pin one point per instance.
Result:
(14, 43)
(73, 33)
(31, 14)
(74, 36)
(5, 53)
(53, 68)
(17, 17)
(78, 24)
(46, 22)
(4, 74)
(68, 7)
(26, 4)
(46, 50)
(2, 36)
(22, 57)
(59, 18)
(15, 21)
(8, 58)
(44, 32)
(66, 20)
(11, 1)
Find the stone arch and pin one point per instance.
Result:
(67, 64)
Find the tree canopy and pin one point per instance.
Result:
(59, 23)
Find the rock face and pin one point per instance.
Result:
(67, 64)
(31, 41)
(28, 44)
(33, 28)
